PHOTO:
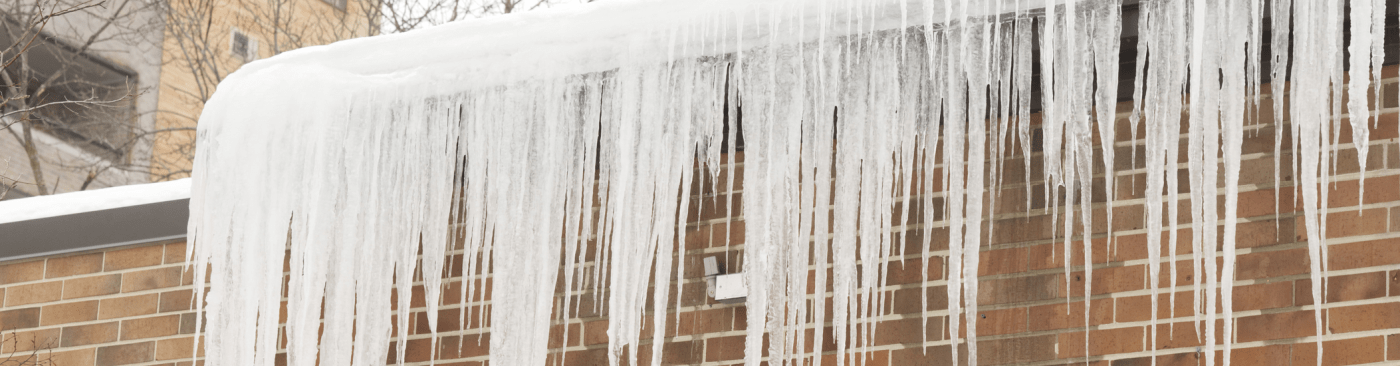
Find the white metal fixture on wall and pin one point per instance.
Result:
(725, 288)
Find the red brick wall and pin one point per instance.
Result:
(1023, 297)
(131, 305)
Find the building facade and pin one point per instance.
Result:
(130, 304)
(146, 69)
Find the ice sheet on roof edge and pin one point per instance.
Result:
(308, 163)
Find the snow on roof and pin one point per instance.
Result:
(39, 207)
(574, 39)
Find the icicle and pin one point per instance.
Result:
(1378, 13)
(1152, 194)
(976, 65)
(932, 137)
(1107, 28)
(1310, 116)
(1279, 73)
(1235, 89)
(1024, 23)
(503, 161)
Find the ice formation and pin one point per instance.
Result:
(521, 142)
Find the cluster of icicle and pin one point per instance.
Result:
(363, 181)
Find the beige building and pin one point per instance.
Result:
(241, 31)
(144, 69)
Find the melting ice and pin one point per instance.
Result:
(532, 142)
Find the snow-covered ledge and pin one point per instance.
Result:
(96, 219)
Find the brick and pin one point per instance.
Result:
(178, 300)
(908, 271)
(1138, 308)
(92, 286)
(1392, 346)
(140, 328)
(896, 331)
(1265, 264)
(1133, 309)
(1356, 223)
(1016, 350)
(1263, 296)
(1395, 218)
(1027, 229)
(1055, 316)
(1267, 355)
(1359, 286)
(556, 333)
(69, 313)
(19, 318)
(1182, 334)
(1392, 154)
(180, 348)
(702, 321)
(22, 341)
(1302, 292)
(1378, 191)
(873, 358)
(1003, 321)
(21, 272)
(1111, 279)
(1044, 256)
(187, 323)
(1363, 317)
(175, 253)
(597, 356)
(33, 293)
(417, 350)
(82, 335)
(1363, 254)
(1394, 286)
(724, 348)
(126, 354)
(923, 356)
(151, 279)
(1175, 359)
(1353, 351)
(1264, 233)
(134, 257)
(121, 307)
(682, 353)
(595, 332)
(1293, 324)
(1101, 342)
(1002, 261)
(74, 265)
(82, 356)
(1019, 289)
(447, 321)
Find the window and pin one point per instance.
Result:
(242, 46)
(338, 4)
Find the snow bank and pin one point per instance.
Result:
(86, 201)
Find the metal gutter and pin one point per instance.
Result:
(146, 223)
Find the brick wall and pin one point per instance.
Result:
(1023, 315)
(129, 305)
